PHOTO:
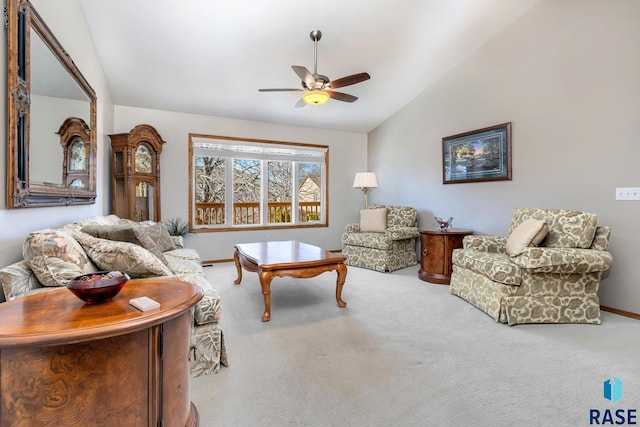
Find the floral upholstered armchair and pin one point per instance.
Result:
(384, 240)
(547, 270)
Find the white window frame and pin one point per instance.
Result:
(233, 147)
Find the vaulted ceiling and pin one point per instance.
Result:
(211, 56)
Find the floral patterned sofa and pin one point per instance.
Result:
(54, 256)
(391, 247)
(554, 282)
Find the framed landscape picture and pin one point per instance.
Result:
(479, 155)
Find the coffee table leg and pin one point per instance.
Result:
(342, 277)
(236, 259)
(265, 283)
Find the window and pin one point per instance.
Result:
(248, 184)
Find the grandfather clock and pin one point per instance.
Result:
(75, 137)
(135, 171)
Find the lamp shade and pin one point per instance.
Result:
(365, 180)
(315, 97)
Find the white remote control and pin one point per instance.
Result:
(144, 303)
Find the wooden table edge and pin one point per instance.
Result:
(111, 329)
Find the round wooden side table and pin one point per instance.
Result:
(436, 248)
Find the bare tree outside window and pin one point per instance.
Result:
(280, 190)
(246, 191)
(210, 189)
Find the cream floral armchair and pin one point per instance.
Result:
(514, 281)
(384, 240)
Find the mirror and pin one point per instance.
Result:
(51, 118)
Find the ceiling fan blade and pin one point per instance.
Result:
(350, 80)
(341, 96)
(305, 75)
(280, 90)
(301, 103)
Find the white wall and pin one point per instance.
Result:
(567, 75)
(46, 161)
(66, 20)
(347, 156)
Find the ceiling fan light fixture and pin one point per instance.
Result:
(318, 88)
(315, 97)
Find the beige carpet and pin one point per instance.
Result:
(403, 353)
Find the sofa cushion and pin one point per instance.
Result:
(100, 219)
(567, 228)
(373, 220)
(528, 233)
(184, 261)
(155, 235)
(495, 244)
(17, 279)
(55, 257)
(118, 232)
(178, 242)
(496, 267)
(563, 260)
(127, 257)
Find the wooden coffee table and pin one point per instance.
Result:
(287, 258)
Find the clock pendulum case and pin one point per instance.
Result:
(135, 173)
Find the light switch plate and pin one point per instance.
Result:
(628, 193)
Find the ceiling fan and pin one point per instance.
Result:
(318, 88)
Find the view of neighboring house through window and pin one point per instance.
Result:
(309, 185)
(248, 184)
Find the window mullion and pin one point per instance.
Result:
(228, 205)
(264, 192)
(323, 192)
(294, 192)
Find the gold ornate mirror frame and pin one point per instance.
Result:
(34, 52)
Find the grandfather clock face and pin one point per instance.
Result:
(78, 156)
(76, 174)
(143, 160)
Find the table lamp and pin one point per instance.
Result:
(365, 181)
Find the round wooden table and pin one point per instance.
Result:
(66, 363)
(436, 248)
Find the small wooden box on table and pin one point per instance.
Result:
(436, 248)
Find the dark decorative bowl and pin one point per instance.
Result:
(99, 287)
